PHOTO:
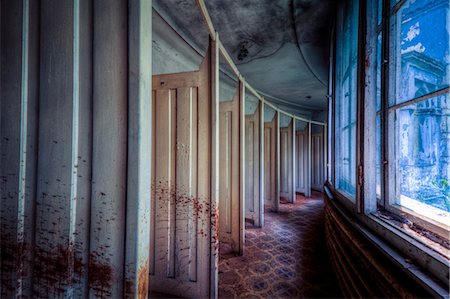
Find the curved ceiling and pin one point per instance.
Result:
(280, 46)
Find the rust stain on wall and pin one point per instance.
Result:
(143, 280)
(100, 276)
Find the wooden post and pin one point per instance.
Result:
(293, 187)
(261, 164)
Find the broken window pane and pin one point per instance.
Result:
(421, 49)
(422, 145)
(346, 69)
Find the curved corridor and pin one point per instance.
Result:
(287, 258)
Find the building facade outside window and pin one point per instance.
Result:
(419, 108)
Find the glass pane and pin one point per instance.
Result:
(421, 48)
(380, 11)
(346, 68)
(379, 72)
(422, 144)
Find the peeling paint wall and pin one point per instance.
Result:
(68, 133)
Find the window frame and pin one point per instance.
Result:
(367, 205)
(388, 137)
(349, 199)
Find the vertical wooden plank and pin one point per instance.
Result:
(286, 166)
(229, 187)
(267, 165)
(185, 126)
(139, 148)
(242, 181)
(271, 163)
(214, 84)
(261, 164)
(106, 268)
(249, 165)
(308, 179)
(368, 198)
(11, 111)
(193, 207)
(252, 167)
(55, 205)
(256, 188)
(294, 162)
(152, 249)
(18, 135)
(164, 180)
(82, 161)
(302, 163)
(277, 162)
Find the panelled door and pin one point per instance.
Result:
(302, 161)
(230, 203)
(252, 181)
(270, 157)
(317, 161)
(181, 217)
(286, 163)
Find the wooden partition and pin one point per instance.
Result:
(317, 161)
(183, 212)
(286, 162)
(302, 161)
(271, 133)
(230, 203)
(252, 160)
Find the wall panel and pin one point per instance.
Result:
(64, 129)
(252, 181)
(230, 203)
(317, 161)
(286, 163)
(302, 161)
(270, 164)
(181, 211)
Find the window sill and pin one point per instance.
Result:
(413, 256)
(420, 257)
(429, 218)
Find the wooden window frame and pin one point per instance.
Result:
(366, 204)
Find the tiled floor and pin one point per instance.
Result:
(287, 258)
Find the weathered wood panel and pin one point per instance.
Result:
(230, 203)
(317, 161)
(252, 181)
(181, 212)
(286, 163)
(68, 85)
(270, 164)
(302, 161)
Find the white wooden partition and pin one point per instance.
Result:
(252, 167)
(271, 173)
(302, 161)
(317, 161)
(286, 163)
(183, 212)
(230, 203)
